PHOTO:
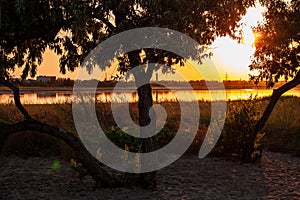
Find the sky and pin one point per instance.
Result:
(233, 58)
(229, 58)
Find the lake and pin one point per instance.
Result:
(53, 97)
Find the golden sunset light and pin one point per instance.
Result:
(161, 103)
(229, 56)
(233, 58)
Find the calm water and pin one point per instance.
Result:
(49, 97)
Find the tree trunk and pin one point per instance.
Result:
(145, 102)
(94, 167)
(146, 180)
(16, 92)
(262, 121)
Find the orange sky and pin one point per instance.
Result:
(229, 57)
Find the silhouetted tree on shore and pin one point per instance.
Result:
(72, 29)
(277, 55)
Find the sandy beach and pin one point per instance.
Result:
(277, 176)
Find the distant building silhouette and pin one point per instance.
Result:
(46, 79)
(16, 80)
(30, 81)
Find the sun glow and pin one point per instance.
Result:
(252, 19)
(230, 57)
(248, 38)
(233, 58)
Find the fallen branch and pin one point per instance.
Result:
(94, 167)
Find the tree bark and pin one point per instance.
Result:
(145, 102)
(262, 121)
(18, 103)
(94, 167)
(146, 180)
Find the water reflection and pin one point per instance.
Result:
(52, 97)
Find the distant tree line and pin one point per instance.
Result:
(59, 82)
(196, 84)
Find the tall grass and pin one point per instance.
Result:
(282, 129)
(9, 114)
(239, 125)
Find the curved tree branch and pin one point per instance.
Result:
(94, 167)
(274, 98)
(109, 25)
(16, 92)
(262, 121)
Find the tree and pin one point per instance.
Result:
(72, 29)
(27, 29)
(277, 55)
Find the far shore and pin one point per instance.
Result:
(156, 88)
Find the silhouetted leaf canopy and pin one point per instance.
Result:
(277, 52)
(73, 28)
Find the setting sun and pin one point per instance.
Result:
(230, 57)
(250, 20)
(233, 58)
(248, 37)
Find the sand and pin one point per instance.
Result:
(277, 176)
